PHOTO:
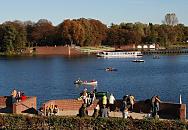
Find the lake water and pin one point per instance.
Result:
(51, 77)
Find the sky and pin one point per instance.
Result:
(107, 11)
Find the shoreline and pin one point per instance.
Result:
(80, 51)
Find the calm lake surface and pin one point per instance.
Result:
(51, 77)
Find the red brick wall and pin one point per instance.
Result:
(126, 47)
(167, 110)
(59, 50)
(69, 106)
(19, 107)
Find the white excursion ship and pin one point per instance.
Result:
(119, 54)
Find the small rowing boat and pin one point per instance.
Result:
(110, 69)
(80, 82)
(137, 60)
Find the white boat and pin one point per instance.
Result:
(137, 60)
(119, 54)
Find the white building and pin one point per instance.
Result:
(145, 46)
(152, 46)
(139, 47)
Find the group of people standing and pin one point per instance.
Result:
(88, 98)
(52, 110)
(101, 109)
(17, 96)
(108, 104)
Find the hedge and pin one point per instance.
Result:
(87, 123)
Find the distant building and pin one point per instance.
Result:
(145, 46)
(151, 47)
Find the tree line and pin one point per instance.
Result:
(16, 36)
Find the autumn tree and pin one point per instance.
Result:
(42, 31)
(82, 32)
(72, 32)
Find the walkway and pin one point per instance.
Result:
(133, 115)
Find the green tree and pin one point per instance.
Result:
(8, 37)
(21, 35)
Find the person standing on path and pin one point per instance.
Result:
(155, 100)
(132, 100)
(104, 111)
(124, 108)
(13, 95)
(111, 102)
(104, 100)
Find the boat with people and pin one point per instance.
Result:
(110, 69)
(119, 54)
(137, 60)
(85, 82)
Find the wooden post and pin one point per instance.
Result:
(69, 50)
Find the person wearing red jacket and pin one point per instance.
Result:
(23, 97)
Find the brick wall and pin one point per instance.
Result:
(59, 50)
(167, 110)
(27, 106)
(126, 47)
(69, 106)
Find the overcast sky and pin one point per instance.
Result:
(107, 11)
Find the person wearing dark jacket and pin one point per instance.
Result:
(83, 110)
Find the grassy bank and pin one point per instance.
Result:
(90, 49)
(88, 123)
